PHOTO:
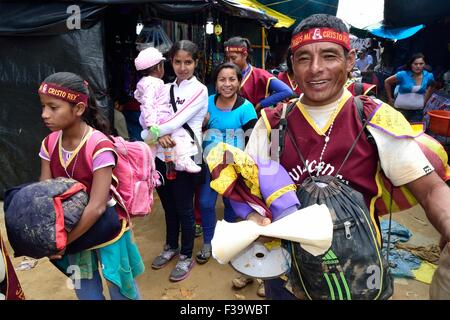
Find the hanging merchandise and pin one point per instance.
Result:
(217, 29)
(218, 57)
(218, 32)
(153, 35)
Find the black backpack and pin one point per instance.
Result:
(353, 268)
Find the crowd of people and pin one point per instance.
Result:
(182, 119)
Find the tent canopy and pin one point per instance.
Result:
(21, 18)
(300, 9)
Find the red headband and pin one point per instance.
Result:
(320, 35)
(62, 93)
(235, 49)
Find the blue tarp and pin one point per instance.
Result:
(401, 262)
(394, 33)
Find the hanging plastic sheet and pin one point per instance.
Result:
(395, 33)
(25, 62)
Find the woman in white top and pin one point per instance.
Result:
(189, 99)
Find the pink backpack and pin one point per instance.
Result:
(135, 171)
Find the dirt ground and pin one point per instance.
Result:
(210, 281)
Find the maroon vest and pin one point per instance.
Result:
(359, 170)
(13, 288)
(284, 76)
(366, 88)
(80, 165)
(255, 86)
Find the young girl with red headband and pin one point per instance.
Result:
(69, 107)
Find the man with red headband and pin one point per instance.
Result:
(324, 124)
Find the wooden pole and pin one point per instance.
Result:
(263, 48)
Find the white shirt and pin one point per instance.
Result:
(362, 64)
(191, 98)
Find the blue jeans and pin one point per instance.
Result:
(133, 125)
(177, 199)
(92, 289)
(208, 198)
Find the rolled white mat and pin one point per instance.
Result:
(312, 227)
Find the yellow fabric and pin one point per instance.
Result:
(374, 200)
(266, 122)
(278, 193)
(267, 86)
(393, 122)
(283, 20)
(438, 149)
(425, 272)
(226, 178)
(241, 164)
(274, 244)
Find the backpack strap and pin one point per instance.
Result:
(185, 125)
(362, 117)
(52, 141)
(282, 126)
(95, 137)
(92, 142)
(358, 88)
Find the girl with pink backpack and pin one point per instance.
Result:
(70, 111)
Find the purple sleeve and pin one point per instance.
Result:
(242, 210)
(104, 159)
(279, 90)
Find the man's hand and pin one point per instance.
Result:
(258, 219)
(262, 221)
(166, 141)
(444, 244)
(118, 106)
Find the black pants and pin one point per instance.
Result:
(413, 116)
(177, 198)
(275, 290)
